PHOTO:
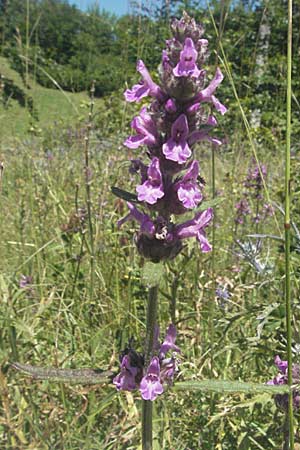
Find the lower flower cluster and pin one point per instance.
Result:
(282, 400)
(161, 370)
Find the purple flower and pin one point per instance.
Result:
(146, 131)
(187, 189)
(176, 148)
(187, 66)
(242, 210)
(169, 342)
(197, 136)
(170, 106)
(147, 226)
(144, 88)
(168, 368)
(151, 386)
(152, 189)
(195, 228)
(282, 365)
(222, 293)
(206, 95)
(125, 380)
(25, 281)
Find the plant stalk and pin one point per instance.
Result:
(287, 227)
(147, 408)
(88, 192)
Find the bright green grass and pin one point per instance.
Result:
(53, 107)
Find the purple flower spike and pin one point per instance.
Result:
(169, 342)
(145, 128)
(125, 380)
(144, 88)
(151, 386)
(175, 119)
(176, 148)
(195, 228)
(187, 66)
(188, 191)
(152, 189)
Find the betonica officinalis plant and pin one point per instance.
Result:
(179, 109)
(181, 112)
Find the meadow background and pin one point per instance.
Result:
(72, 291)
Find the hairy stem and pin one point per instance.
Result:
(147, 411)
(287, 227)
(88, 192)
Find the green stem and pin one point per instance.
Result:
(147, 411)
(88, 193)
(287, 227)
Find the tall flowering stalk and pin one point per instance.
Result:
(180, 114)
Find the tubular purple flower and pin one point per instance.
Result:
(151, 386)
(168, 368)
(187, 66)
(195, 228)
(176, 148)
(125, 380)
(146, 131)
(187, 189)
(152, 189)
(144, 88)
(197, 136)
(147, 226)
(169, 342)
(282, 365)
(206, 95)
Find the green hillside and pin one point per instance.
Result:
(50, 106)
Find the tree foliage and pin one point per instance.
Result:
(74, 47)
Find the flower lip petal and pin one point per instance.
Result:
(151, 386)
(187, 66)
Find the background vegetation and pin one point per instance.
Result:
(57, 315)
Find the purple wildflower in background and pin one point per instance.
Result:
(25, 281)
(161, 370)
(169, 127)
(242, 211)
(251, 204)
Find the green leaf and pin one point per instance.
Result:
(152, 273)
(128, 196)
(230, 387)
(72, 376)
